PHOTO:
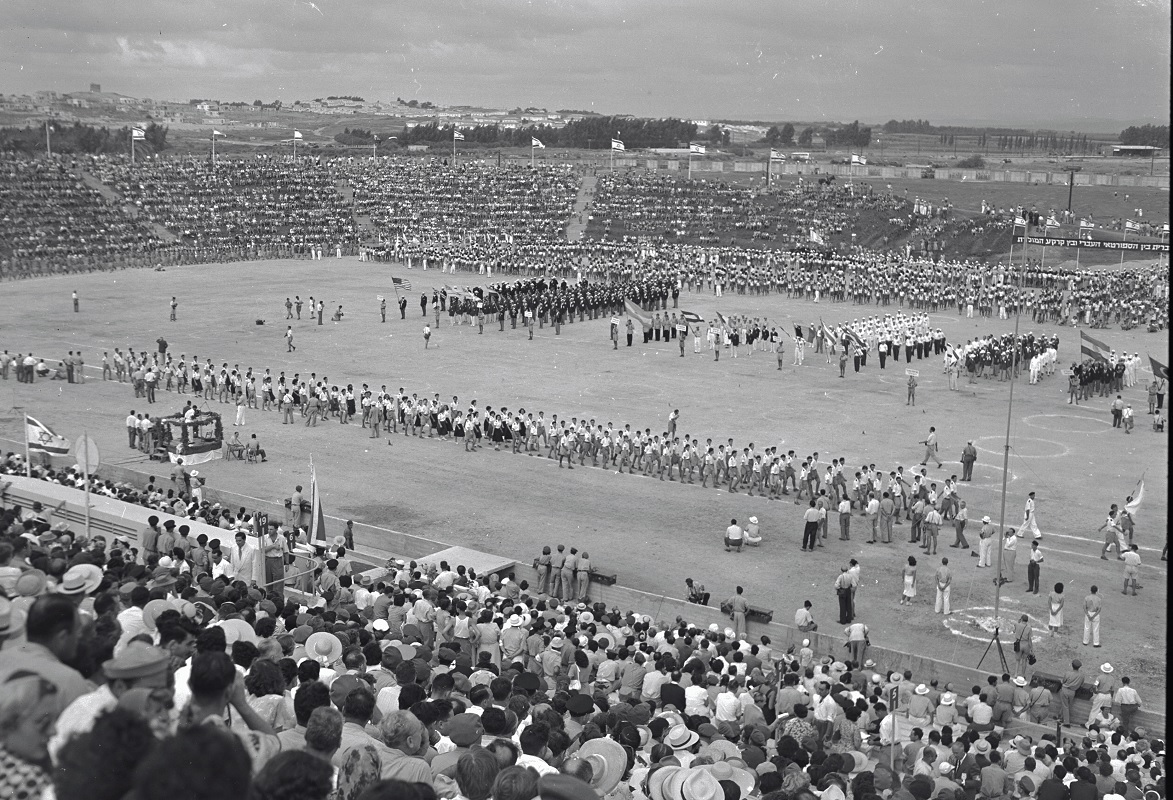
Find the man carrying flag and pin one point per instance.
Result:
(1160, 381)
(1093, 348)
(640, 315)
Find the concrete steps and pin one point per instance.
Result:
(577, 224)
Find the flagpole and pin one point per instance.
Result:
(28, 469)
(1124, 242)
(86, 471)
(531, 153)
(454, 145)
(1006, 448)
(213, 148)
(48, 145)
(690, 161)
(132, 149)
(769, 162)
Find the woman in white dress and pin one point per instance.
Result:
(1055, 602)
(909, 572)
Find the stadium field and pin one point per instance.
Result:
(652, 534)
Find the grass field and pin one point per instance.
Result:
(652, 534)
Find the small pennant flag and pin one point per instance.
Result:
(777, 155)
(1131, 225)
(402, 283)
(617, 145)
(536, 142)
(692, 317)
(216, 133)
(698, 149)
(1094, 348)
(297, 135)
(138, 134)
(457, 136)
(41, 437)
(1159, 370)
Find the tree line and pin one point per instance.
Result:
(591, 132)
(1151, 135)
(80, 138)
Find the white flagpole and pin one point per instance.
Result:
(454, 145)
(28, 469)
(690, 161)
(132, 146)
(531, 152)
(1124, 242)
(86, 471)
(295, 145)
(213, 148)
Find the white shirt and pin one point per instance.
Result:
(728, 707)
(223, 569)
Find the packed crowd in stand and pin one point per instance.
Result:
(51, 220)
(241, 204)
(120, 662)
(511, 221)
(647, 203)
(418, 201)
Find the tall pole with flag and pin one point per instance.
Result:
(317, 526)
(215, 133)
(136, 135)
(296, 136)
(1048, 223)
(616, 144)
(699, 149)
(534, 142)
(457, 136)
(1019, 222)
(48, 144)
(1129, 225)
(40, 437)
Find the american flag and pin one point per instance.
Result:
(402, 283)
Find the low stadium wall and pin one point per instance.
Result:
(885, 172)
(109, 517)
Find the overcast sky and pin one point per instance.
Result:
(944, 60)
